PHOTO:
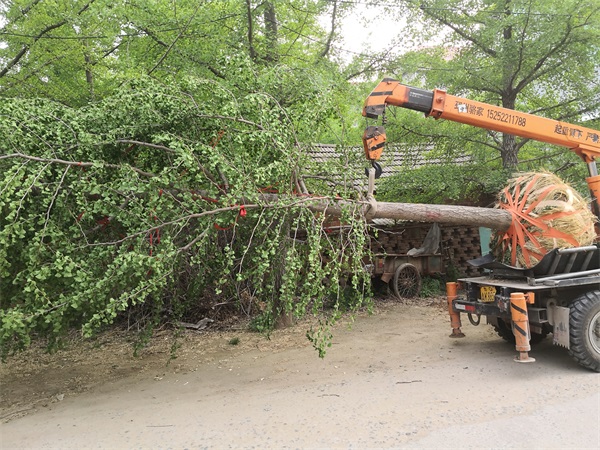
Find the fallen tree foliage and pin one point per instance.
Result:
(129, 209)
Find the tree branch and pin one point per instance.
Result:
(462, 33)
(31, 187)
(62, 179)
(146, 144)
(327, 48)
(156, 39)
(375, 63)
(186, 218)
(521, 47)
(28, 8)
(588, 109)
(183, 29)
(46, 30)
(235, 119)
(30, 74)
(190, 244)
(536, 71)
(438, 135)
(74, 163)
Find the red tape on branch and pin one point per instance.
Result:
(242, 213)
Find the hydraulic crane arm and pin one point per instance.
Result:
(585, 142)
(440, 105)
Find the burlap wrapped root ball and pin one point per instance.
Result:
(547, 214)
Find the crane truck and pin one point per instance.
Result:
(561, 293)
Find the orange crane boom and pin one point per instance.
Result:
(438, 104)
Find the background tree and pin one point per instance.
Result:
(76, 51)
(528, 55)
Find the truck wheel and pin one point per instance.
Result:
(504, 330)
(407, 281)
(584, 330)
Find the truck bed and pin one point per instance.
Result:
(558, 268)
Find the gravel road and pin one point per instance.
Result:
(394, 380)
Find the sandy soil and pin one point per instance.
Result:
(394, 379)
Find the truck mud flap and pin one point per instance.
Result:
(560, 323)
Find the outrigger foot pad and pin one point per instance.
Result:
(456, 333)
(523, 357)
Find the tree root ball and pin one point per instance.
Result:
(546, 214)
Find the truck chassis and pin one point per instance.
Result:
(558, 296)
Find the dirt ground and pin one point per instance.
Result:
(392, 380)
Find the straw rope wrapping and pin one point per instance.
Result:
(547, 214)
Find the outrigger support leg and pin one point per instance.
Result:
(451, 289)
(520, 324)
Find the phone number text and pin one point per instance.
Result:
(511, 119)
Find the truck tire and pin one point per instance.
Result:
(504, 330)
(584, 330)
(407, 281)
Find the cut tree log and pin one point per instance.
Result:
(495, 219)
(448, 214)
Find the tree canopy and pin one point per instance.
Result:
(77, 51)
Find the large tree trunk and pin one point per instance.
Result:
(271, 33)
(250, 20)
(496, 219)
(89, 75)
(509, 150)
